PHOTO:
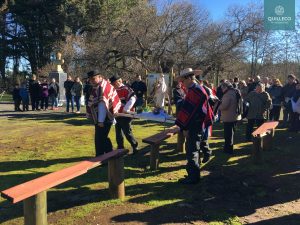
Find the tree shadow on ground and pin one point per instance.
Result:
(10, 166)
(70, 118)
(229, 186)
(292, 219)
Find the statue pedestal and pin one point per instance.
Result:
(60, 78)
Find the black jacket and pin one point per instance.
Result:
(68, 84)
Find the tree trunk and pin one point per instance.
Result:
(3, 46)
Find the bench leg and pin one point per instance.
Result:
(35, 209)
(180, 142)
(116, 178)
(268, 141)
(257, 149)
(154, 157)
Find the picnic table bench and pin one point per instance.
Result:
(157, 139)
(263, 139)
(34, 193)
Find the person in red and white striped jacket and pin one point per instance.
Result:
(123, 125)
(103, 103)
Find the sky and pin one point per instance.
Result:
(217, 8)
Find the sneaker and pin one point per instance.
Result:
(189, 180)
(77, 112)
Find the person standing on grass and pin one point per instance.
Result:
(16, 97)
(44, 95)
(77, 92)
(53, 94)
(287, 93)
(24, 96)
(139, 87)
(212, 102)
(87, 89)
(259, 103)
(68, 84)
(194, 117)
(229, 114)
(275, 91)
(123, 125)
(103, 103)
(34, 91)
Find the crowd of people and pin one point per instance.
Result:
(44, 94)
(258, 100)
(264, 99)
(198, 106)
(38, 92)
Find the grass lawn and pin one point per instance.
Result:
(6, 97)
(232, 190)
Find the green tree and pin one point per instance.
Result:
(40, 25)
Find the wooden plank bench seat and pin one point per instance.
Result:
(33, 193)
(156, 140)
(263, 139)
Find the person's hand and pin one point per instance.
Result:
(100, 124)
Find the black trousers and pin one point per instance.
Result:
(295, 122)
(250, 126)
(275, 113)
(17, 104)
(35, 102)
(192, 147)
(102, 141)
(44, 102)
(229, 129)
(123, 126)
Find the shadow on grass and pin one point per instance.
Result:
(70, 118)
(10, 166)
(292, 219)
(232, 186)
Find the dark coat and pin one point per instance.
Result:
(139, 88)
(54, 89)
(68, 84)
(275, 92)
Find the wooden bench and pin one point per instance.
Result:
(263, 139)
(34, 196)
(156, 140)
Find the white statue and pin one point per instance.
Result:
(160, 93)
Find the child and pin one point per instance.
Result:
(17, 97)
(24, 96)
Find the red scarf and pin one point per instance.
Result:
(124, 93)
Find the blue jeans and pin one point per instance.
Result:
(69, 99)
(54, 101)
(77, 101)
